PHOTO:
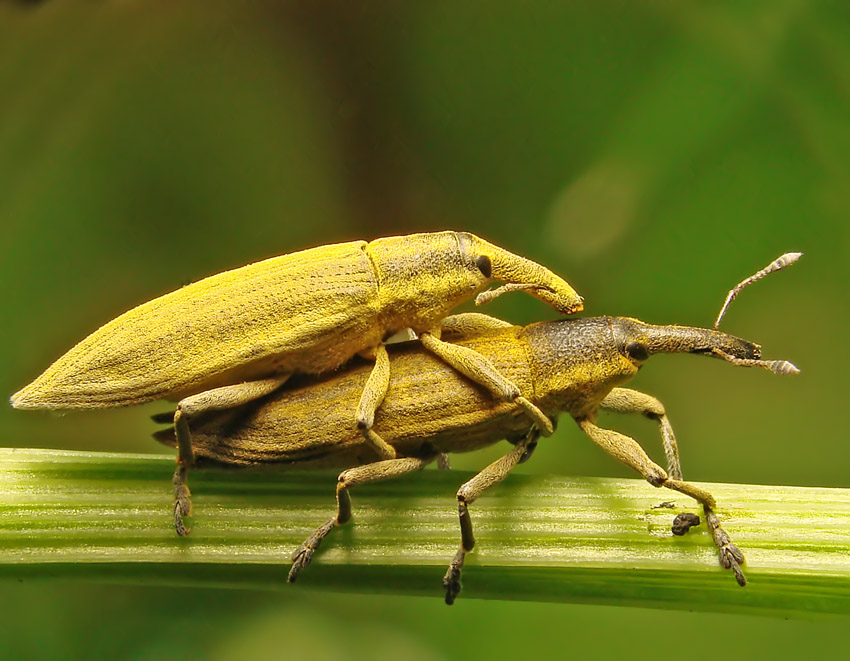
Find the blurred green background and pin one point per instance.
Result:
(652, 153)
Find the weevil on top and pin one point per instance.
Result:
(234, 337)
(575, 366)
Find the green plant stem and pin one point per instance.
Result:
(106, 517)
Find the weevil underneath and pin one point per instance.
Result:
(573, 366)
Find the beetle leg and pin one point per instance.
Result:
(371, 398)
(182, 498)
(626, 400)
(628, 451)
(374, 472)
(467, 494)
(216, 399)
(472, 323)
(477, 368)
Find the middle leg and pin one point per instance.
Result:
(374, 472)
(467, 494)
(373, 395)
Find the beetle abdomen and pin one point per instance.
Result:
(308, 424)
(308, 311)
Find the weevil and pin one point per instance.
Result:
(573, 366)
(234, 337)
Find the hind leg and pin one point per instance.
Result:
(216, 399)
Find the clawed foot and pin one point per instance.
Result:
(451, 581)
(300, 559)
(730, 556)
(182, 507)
(303, 556)
(182, 499)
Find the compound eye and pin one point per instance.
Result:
(484, 265)
(637, 351)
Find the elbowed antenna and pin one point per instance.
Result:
(688, 339)
(486, 296)
(782, 367)
(775, 366)
(776, 265)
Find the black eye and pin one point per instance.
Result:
(484, 265)
(637, 351)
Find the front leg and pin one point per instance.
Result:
(628, 451)
(626, 400)
(470, 324)
(482, 371)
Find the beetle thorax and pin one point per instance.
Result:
(421, 278)
(576, 363)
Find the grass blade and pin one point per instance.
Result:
(106, 517)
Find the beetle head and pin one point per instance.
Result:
(422, 277)
(576, 362)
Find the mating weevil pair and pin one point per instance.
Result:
(573, 366)
(237, 336)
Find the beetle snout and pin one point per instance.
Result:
(685, 339)
(519, 273)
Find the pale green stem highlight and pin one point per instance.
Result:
(106, 517)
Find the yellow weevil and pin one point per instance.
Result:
(239, 335)
(570, 366)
